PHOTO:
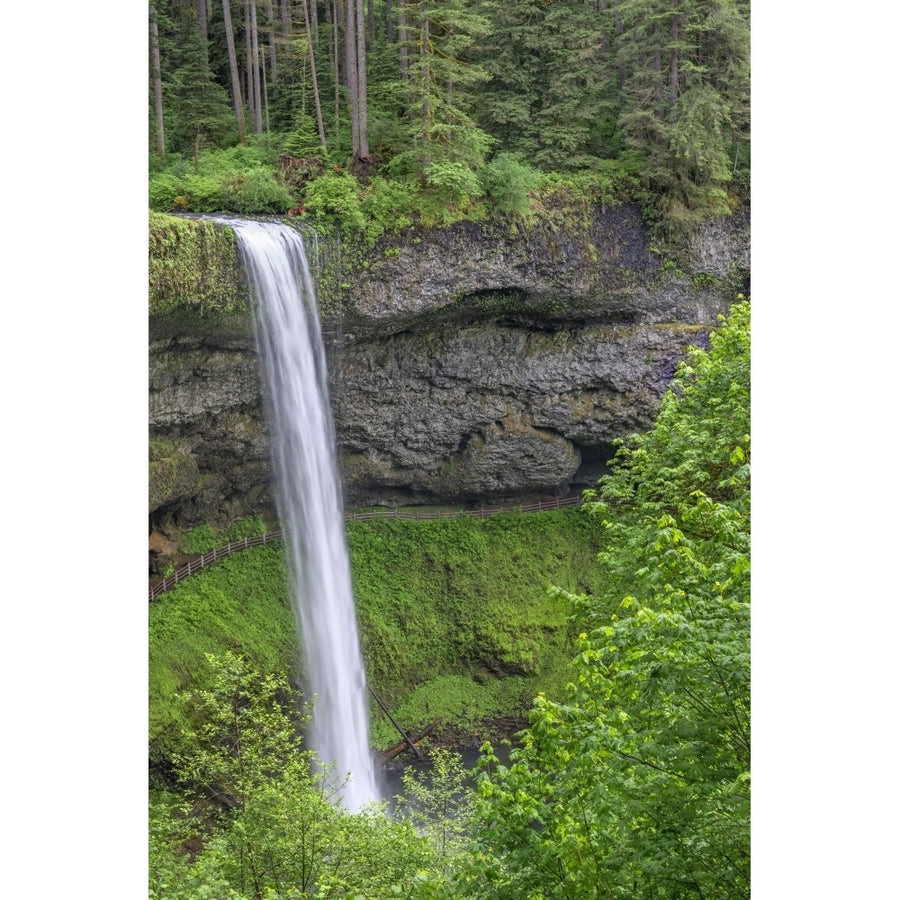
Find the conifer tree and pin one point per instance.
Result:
(236, 96)
(156, 81)
(196, 106)
(444, 75)
(685, 101)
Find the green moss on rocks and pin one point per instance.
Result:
(193, 265)
(173, 475)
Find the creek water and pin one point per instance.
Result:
(309, 501)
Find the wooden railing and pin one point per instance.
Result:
(485, 512)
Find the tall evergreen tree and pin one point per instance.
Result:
(355, 54)
(443, 78)
(315, 81)
(552, 95)
(686, 97)
(156, 81)
(236, 96)
(203, 116)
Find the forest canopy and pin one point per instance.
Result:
(461, 106)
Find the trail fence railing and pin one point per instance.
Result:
(485, 512)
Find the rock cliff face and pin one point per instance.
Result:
(464, 365)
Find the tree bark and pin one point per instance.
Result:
(157, 83)
(265, 90)
(397, 749)
(235, 76)
(350, 75)
(404, 37)
(336, 16)
(676, 33)
(202, 24)
(620, 68)
(249, 93)
(315, 82)
(362, 91)
(258, 62)
(273, 54)
(389, 20)
(203, 28)
(425, 51)
(253, 65)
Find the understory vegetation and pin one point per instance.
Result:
(632, 779)
(456, 620)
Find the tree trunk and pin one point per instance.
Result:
(315, 82)
(604, 33)
(265, 90)
(203, 28)
(336, 15)
(202, 24)
(249, 93)
(389, 20)
(355, 44)
(273, 54)
(362, 99)
(404, 37)
(235, 76)
(620, 68)
(254, 50)
(350, 75)
(425, 51)
(157, 83)
(676, 32)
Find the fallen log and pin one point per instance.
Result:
(403, 734)
(410, 742)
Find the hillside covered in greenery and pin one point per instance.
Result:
(387, 113)
(455, 616)
(632, 778)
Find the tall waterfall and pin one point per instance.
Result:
(308, 495)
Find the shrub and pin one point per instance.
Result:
(203, 192)
(255, 191)
(249, 527)
(199, 540)
(388, 206)
(454, 182)
(164, 188)
(336, 196)
(507, 183)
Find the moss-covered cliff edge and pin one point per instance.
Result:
(467, 363)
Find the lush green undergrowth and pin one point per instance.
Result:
(239, 605)
(455, 616)
(206, 537)
(247, 181)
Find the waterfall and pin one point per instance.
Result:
(308, 497)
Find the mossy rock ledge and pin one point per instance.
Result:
(467, 364)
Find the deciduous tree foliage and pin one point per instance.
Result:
(258, 822)
(637, 784)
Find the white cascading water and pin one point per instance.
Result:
(308, 494)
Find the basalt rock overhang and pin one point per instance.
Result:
(468, 363)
